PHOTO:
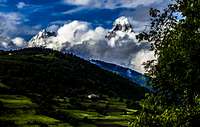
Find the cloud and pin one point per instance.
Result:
(112, 3)
(21, 5)
(15, 43)
(13, 24)
(141, 57)
(90, 43)
(78, 9)
(19, 42)
(72, 32)
(123, 50)
(9, 23)
(53, 28)
(79, 2)
(4, 43)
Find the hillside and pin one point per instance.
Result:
(46, 71)
(48, 87)
(132, 75)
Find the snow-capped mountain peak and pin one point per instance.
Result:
(53, 37)
(41, 38)
(123, 21)
(45, 34)
(121, 33)
(121, 27)
(122, 24)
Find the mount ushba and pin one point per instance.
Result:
(118, 45)
(121, 31)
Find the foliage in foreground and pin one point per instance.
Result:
(175, 73)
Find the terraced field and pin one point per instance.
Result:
(22, 111)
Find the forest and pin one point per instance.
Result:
(175, 37)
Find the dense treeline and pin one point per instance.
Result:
(175, 38)
(52, 73)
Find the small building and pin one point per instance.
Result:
(92, 96)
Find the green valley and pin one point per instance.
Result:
(42, 87)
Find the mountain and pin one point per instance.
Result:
(43, 87)
(122, 32)
(121, 25)
(42, 38)
(132, 75)
(52, 73)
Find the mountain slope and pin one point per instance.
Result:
(132, 75)
(52, 73)
(42, 87)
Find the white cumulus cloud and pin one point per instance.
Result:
(81, 39)
(12, 25)
(72, 32)
(15, 43)
(112, 3)
(19, 42)
(9, 23)
(141, 57)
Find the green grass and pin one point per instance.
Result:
(15, 101)
(29, 118)
(4, 86)
(115, 112)
(122, 123)
(21, 111)
(20, 102)
(25, 117)
(117, 117)
(61, 125)
(80, 114)
(16, 97)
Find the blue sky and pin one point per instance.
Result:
(81, 27)
(25, 18)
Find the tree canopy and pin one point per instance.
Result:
(175, 74)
